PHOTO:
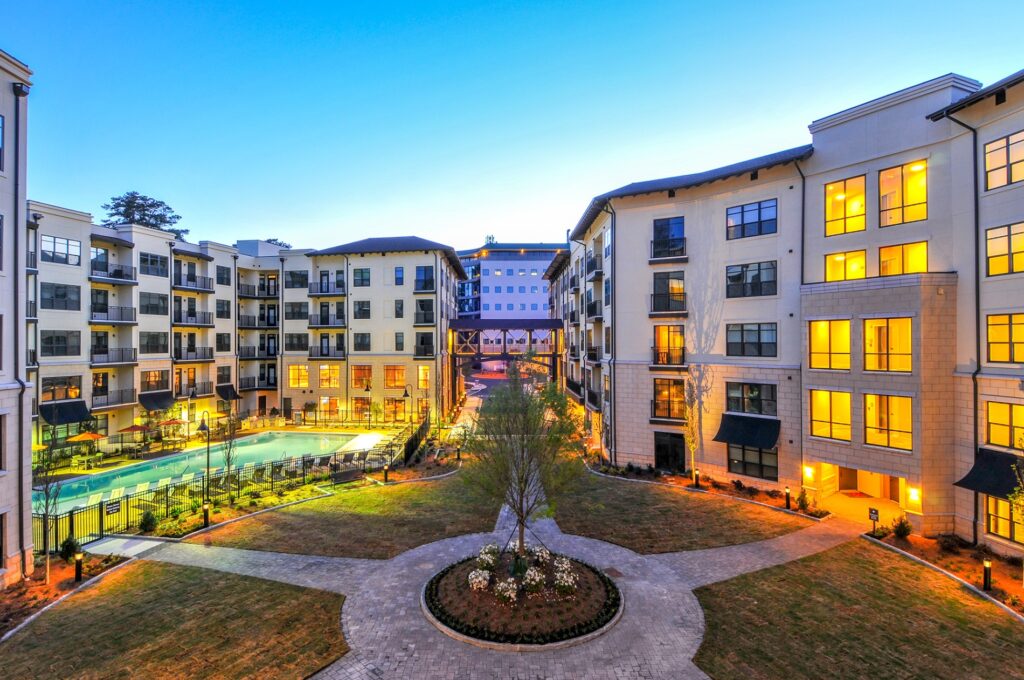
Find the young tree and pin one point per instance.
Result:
(135, 208)
(1016, 497)
(522, 441)
(278, 242)
(228, 451)
(696, 389)
(46, 480)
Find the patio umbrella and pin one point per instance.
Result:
(86, 437)
(134, 428)
(36, 448)
(172, 422)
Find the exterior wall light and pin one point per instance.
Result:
(809, 473)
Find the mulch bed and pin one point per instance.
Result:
(539, 618)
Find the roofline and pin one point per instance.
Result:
(515, 247)
(558, 263)
(448, 252)
(15, 67)
(978, 96)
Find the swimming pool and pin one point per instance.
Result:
(258, 448)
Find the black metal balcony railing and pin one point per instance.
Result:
(668, 357)
(326, 288)
(186, 318)
(573, 387)
(425, 285)
(667, 410)
(253, 383)
(594, 268)
(114, 398)
(250, 321)
(204, 283)
(250, 290)
(574, 316)
(594, 310)
(113, 355)
(327, 320)
(200, 388)
(424, 318)
(119, 272)
(30, 260)
(668, 302)
(31, 309)
(423, 350)
(156, 386)
(574, 282)
(317, 352)
(31, 357)
(574, 351)
(594, 398)
(193, 353)
(668, 247)
(112, 314)
(254, 352)
(593, 354)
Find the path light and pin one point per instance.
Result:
(787, 499)
(206, 514)
(78, 566)
(986, 583)
(696, 478)
(386, 467)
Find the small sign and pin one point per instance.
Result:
(873, 514)
(113, 507)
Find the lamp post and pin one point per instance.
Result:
(696, 477)
(188, 410)
(386, 466)
(986, 583)
(787, 499)
(369, 405)
(78, 566)
(203, 427)
(406, 395)
(206, 514)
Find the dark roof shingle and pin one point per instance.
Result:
(393, 244)
(977, 96)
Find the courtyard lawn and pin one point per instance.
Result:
(856, 611)
(376, 522)
(649, 518)
(161, 621)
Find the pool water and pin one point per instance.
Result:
(258, 448)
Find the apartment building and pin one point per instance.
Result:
(505, 280)
(15, 379)
(847, 312)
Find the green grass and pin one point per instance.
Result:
(375, 521)
(159, 620)
(856, 611)
(648, 518)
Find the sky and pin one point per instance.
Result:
(321, 123)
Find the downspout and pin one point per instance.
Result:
(611, 362)
(20, 92)
(977, 309)
(234, 315)
(803, 215)
(437, 338)
(280, 338)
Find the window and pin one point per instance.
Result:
(669, 292)
(509, 272)
(61, 387)
(425, 278)
(394, 377)
(153, 303)
(60, 296)
(751, 462)
(362, 376)
(844, 206)
(361, 277)
(1001, 520)
(669, 237)
(754, 398)
(330, 375)
(669, 451)
(399, 309)
(296, 278)
(751, 339)
(752, 219)
(361, 309)
(154, 380)
(888, 421)
(1006, 424)
(399, 341)
(223, 309)
(669, 398)
(153, 265)
(1006, 338)
(1005, 249)
(223, 342)
(399, 276)
(669, 345)
(298, 375)
(152, 343)
(830, 415)
(887, 344)
(223, 276)
(394, 409)
(845, 266)
(903, 194)
(423, 377)
(61, 250)
(296, 342)
(296, 310)
(830, 344)
(361, 342)
(223, 374)
(906, 258)
(60, 343)
(522, 289)
(1004, 161)
(750, 280)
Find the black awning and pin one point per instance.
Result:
(64, 412)
(112, 240)
(228, 392)
(156, 401)
(192, 253)
(761, 433)
(992, 473)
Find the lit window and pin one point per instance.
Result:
(887, 344)
(394, 377)
(362, 376)
(903, 194)
(906, 258)
(844, 206)
(298, 375)
(423, 377)
(1006, 338)
(1004, 248)
(1004, 161)
(830, 414)
(1006, 424)
(330, 375)
(888, 421)
(845, 266)
(830, 344)
(1001, 520)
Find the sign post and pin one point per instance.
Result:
(873, 516)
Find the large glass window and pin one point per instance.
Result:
(889, 421)
(298, 375)
(830, 415)
(1002, 521)
(906, 258)
(830, 344)
(1004, 249)
(152, 342)
(361, 277)
(330, 375)
(296, 278)
(60, 343)
(152, 264)
(423, 377)
(669, 451)
(394, 377)
(669, 292)
(1005, 424)
(223, 309)
(751, 339)
(669, 396)
(153, 303)
(361, 309)
(844, 206)
(1006, 338)
(223, 275)
(752, 219)
(750, 280)
(669, 237)
(61, 250)
(61, 387)
(752, 462)
(1004, 161)
(669, 345)
(362, 377)
(903, 194)
(846, 266)
(758, 398)
(888, 344)
(60, 296)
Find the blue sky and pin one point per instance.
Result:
(325, 122)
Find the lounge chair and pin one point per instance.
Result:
(142, 486)
(158, 499)
(116, 493)
(94, 498)
(322, 461)
(276, 472)
(188, 477)
(347, 459)
(259, 476)
(164, 482)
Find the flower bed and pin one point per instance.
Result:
(547, 599)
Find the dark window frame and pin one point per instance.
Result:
(756, 287)
(740, 397)
(740, 462)
(361, 277)
(60, 302)
(759, 226)
(752, 338)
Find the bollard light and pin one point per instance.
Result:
(458, 453)
(696, 478)
(206, 514)
(986, 583)
(78, 567)
(787, 499)
(386, 467)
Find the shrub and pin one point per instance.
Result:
(486, 561)
(533, 580)
(507, 590)
(752, 491)
(774, 493)
(738, 484)
(818, 512)
(801, 501)
(880, 532)
(479, 579)
(901, 527)
(68, 548)
(490, 549)
(566, 581)
(650, 469)
(148, 522)
(630, 468)
(949, 544)
(541, 554)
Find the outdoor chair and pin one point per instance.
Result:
(158, 499)
(94, 498)
(322, 461)
(142, 486)
(116, 493)
(76, 462)
(259, 475)
(276, 472)
(164, 482)
(347, 459)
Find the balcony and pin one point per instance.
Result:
(593, 354)
(323, 288)
(573, 387)
(667, 411)
(193, 354)
(31, 309)
(247, 290)
(594, 310)
(114, 398)
(197, 283)
(256, 384)
(113, 273)
(250, 321)
(594, 268)
(668, 250)
(253, 352)
(31, 263)
(423, 352)
(201, 389)
(156, 386)
(424, 319)
(594, 399)
(197, 319)
(108, 356)
(31, 358)
(574, 283)
(317, 352)
(326, 321)
(668, 304)
(425, 285)
(574, 316)
(574, 352)
(104, 314)
(675, 357)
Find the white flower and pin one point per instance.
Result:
(486, 561)
(566, 582)
(533, 580)
(507, 590)
(541, 554)
(479, 579)
(562, 564)
(490, 549)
